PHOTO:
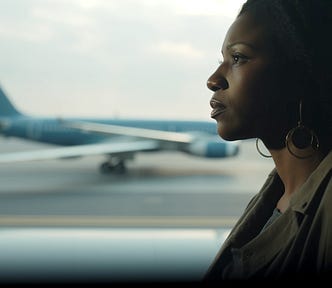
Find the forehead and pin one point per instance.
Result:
(246, 30)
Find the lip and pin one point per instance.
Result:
(217, 107)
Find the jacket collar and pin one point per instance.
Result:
(301, 199)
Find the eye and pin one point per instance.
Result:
(239, 58)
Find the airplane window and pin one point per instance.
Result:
(106, 194)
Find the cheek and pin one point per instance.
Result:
(250, 102)
(250, 109)
(250, 94)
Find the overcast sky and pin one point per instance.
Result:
(112, 58)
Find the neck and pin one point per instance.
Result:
(293, 172)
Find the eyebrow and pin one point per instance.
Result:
(242, 43)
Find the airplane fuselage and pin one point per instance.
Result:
(53, 130)
(118, 139)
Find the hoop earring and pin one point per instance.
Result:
(302, 139)
(260, 152)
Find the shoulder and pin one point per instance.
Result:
(325, 176)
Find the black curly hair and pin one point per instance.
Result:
(300, 32)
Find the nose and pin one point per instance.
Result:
(217, 82)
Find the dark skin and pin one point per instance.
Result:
(249, 101)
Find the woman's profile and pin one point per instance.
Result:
(275, 84)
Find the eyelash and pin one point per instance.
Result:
(237, 59)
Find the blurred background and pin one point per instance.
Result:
(170, 213)
(128, 58)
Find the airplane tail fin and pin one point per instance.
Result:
(6, 107)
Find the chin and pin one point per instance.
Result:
(226, 136)
(230, 135)
(223, 133)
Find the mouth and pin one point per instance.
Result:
(217, 108)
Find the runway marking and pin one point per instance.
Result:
(116, 221)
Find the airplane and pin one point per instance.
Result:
(118, 139)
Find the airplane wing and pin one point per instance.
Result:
(139, 140)
(130, 131)
(190, 142)
(79, 150)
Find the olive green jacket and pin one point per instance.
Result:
(299, 242)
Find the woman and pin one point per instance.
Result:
(274, 84)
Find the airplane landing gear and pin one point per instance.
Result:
(116, 166)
